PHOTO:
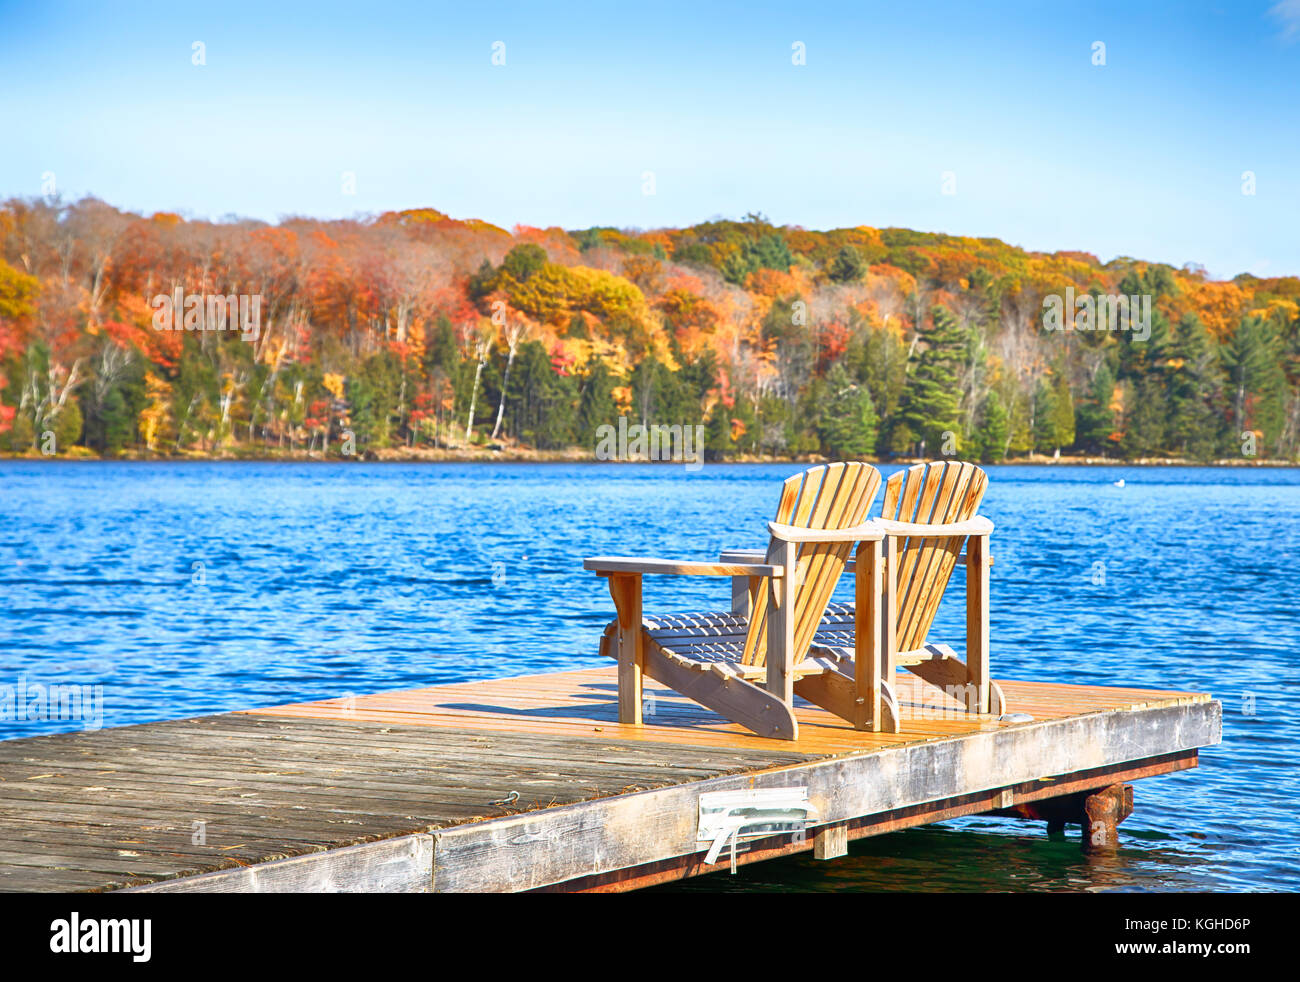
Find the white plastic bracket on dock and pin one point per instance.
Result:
(728, 816)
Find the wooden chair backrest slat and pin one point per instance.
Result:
(832, 496)
(930, 494)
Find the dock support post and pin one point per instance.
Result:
(831, 842)
(1102, 812)
(1099, 812)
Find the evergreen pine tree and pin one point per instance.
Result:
(848, 420)
(68, 423)
(540, 401)
(442, 350)
(1195, 428)
(717, 438)
(596, 406)
(1257, 383)
(1054, 413)
(1146, 416)
(848, 266)
(928, 408)
(1094, 419)
(991, 432)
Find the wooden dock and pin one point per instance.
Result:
(531, 784)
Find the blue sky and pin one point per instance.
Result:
(1143, 156)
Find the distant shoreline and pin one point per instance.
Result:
(573, 456)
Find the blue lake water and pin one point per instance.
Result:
(192, 588)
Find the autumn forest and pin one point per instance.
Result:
(416, 333)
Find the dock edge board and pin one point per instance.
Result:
(402, 864)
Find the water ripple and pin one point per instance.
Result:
(196, 588)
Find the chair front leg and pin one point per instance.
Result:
(867, 649)
(625, 588)
(740, 599)
(889, 612)
(977, 617)
(780, 624)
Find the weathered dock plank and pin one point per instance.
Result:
(527, 783)
(123, 806)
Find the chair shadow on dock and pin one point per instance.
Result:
(600, 705)
(597, 703)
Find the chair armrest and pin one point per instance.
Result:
(742, 556)
(628, 564)
(979, 525)
(866, 532)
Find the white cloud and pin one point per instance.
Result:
(1288, 13)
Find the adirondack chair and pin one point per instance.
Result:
(747, 665)
(929, 512)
